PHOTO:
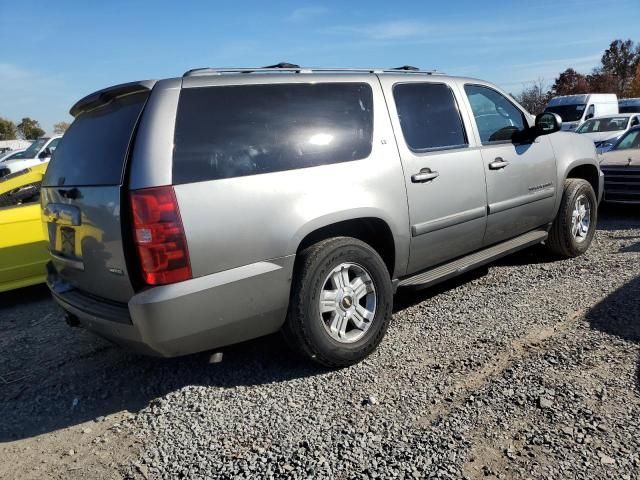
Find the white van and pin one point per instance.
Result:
(575, 109)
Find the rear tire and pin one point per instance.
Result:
(575, 225)
(341, 302)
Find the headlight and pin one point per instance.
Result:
(604, 146)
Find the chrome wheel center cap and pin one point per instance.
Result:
(347, 302)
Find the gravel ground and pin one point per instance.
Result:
(528, 369)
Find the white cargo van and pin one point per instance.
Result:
(575, 109)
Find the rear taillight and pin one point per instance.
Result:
(159, 236)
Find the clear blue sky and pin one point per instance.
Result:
(56, 52)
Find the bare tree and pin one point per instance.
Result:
(635, 84)
(60, 127)
(534, 97)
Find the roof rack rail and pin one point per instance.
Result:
(407, 68)
(283, 65)
(293, 68)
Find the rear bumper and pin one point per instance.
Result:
(191, 316)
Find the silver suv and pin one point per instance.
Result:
(190, 213)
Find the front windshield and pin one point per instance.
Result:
(13, 156)
(568, 113)
(34, 148)
(608, 124)
(630, 140)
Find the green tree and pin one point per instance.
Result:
(60, 127)
(8, 129)
(29, 129)
(620, 61)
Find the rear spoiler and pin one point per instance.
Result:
(105, 95)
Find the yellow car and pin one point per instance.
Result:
(23, 246)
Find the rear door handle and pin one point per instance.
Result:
(425, 175)
(498, 163)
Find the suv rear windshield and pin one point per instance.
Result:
(93, 149)
(234, 131)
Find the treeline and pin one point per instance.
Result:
(618, 72)
(27, 129)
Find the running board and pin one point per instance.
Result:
(477, 259)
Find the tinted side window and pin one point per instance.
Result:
(496, 117)
(429, 116)
(234, 131)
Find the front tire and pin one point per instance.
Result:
(575, 225)
(341, 302)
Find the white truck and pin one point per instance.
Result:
(38, 152)
(575, 109)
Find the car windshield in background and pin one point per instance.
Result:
(568, 113)
(630, 140)
(94, 148)
(34, 148)
(598, 125)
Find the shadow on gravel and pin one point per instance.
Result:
(536, 255)
(612, 216)
(619, 314)
(53, 376)
(408, 297)
(24, 296)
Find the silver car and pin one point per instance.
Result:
(605, 131)
(191, 213)
(621, 168)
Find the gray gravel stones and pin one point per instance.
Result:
(529, 369)
(507, 374)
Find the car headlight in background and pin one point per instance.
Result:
(605, 145)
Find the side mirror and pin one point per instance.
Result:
(589, 116)
(547, 123)
(46, 153)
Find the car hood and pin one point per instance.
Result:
(621, 158)
(16, 160)
(600, 136)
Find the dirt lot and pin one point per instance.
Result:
(527, 369)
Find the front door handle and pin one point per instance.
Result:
(425, 175)
(498, 163)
